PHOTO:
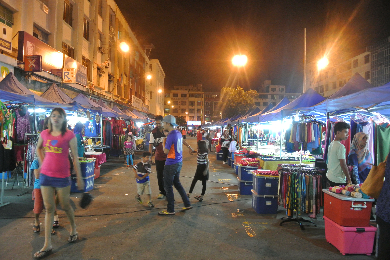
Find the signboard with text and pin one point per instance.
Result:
(69, 75)
(33, 63)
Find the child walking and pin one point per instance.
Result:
(128, 149)
(202, 172)
(141, 173)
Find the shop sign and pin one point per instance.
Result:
(80, 70)
(4, 71)
(29, 45)
(33, 63)
(194, 123)
(136, 102)
(69, 75)
(4, 44)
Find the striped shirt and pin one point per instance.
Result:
(202, 158)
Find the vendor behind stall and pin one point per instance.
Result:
(79, 131)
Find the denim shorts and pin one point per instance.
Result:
(54, 181)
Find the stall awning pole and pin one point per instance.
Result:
(101, 130)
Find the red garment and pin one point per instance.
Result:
(199, 136)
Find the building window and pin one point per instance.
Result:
(6, 16)
(151, 95)
(366, 58)
(192, 111)
(86, 29)
(175, 95)
(207, 104)
(334, 85)
(166, 110)
(68, 50)
(183, 103)
(198, 111)
(68, 10)
(176, 103)
(257, 104)
(263, 96)
(367, 75)
(273, 89)
(87, 64)
(40, 34)
(199, 103)
(175, 111)
(265, 104)
(100, 7)
(340, 83)
(183, 111)
(183, 95)
(326, 87)
(191, 103)
(355, 63)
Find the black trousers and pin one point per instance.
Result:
(160, 176)
(225, 153)
(203, 186)
(383, 239)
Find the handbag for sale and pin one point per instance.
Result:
(372, 186)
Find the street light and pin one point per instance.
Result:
(124, 47)
(322, 63)
(239, 60)
(149, 77)
(160, 91)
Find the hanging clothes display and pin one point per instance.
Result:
(22, 123)
(307, 133)
(382, 142)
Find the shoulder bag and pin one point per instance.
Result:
(372, 186)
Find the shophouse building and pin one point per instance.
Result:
(83, 45)
(185, 101)
(212, 106)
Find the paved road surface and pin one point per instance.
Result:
(223, 226)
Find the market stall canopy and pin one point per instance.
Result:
(282, 103)
(253, 111)
(55, 94)
(255, 117)
(139, 114)
(309, 98)
(6, 96)
(356, 84)
(87, 103)
(11, 84)
(120, 112)
(108, 109)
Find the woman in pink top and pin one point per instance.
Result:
(53, 149)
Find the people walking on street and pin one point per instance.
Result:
(173, 147)
(156, 140)
(202, 172)
(128, 149)
(53, 151)
(184, 133)
(225, 146)
(141, 174)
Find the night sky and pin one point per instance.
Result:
(195, 40)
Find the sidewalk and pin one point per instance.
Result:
(115, 226)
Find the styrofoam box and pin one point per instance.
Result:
(88, 184)
(245, 187)
(245, 174)
(264, 204)
(347, 211)
(219, 156)
(350, 240)
(265, 185)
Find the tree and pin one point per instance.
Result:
(236, 101)
(181, 121)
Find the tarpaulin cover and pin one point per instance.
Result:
(87, 103)
(120, 112)
(309, 98)
(255, 117)
(55, 94)
(11, 84)
(15, 98)
(282, 103)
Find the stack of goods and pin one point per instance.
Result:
(347, 220)
(243, 170)
(265, 191)
(349, 190)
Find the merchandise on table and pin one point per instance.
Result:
(350, 190)
(249, 162)
(347, 211)
(350, 240)
(264, 204)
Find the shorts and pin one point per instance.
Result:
(38, 201)
(54, 181)
(184, 137)
(144, 187)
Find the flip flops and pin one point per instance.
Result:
(73, 238)
(41, 254)
(37, 229)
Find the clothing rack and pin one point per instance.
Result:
(28, 176)
(293, 193)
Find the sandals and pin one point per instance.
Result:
(199, 198)
(73, 238)
(41, 254)
(56, 224)
(37, 229)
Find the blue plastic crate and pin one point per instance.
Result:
(264, 204)
(88, 184)
(244, 172)
(245, 187)
(219, 156)
(5, 175)
(265, 185)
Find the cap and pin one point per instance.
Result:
(170, 119)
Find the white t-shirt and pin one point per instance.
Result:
(335, 153)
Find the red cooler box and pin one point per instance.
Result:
(350, 240)
(347, 211)
(238, 157)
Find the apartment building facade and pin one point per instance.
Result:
(185, 101)
(212, 106)
(330, 79)
(155, 87)
(380, 64)
(87, 45)
(272, 94)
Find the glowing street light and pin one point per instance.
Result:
(322, 63)
(169, 102)
(149, 77)
(239, 60)
(160, 91)
(124, 47)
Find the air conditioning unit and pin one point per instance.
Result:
(100, 49)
